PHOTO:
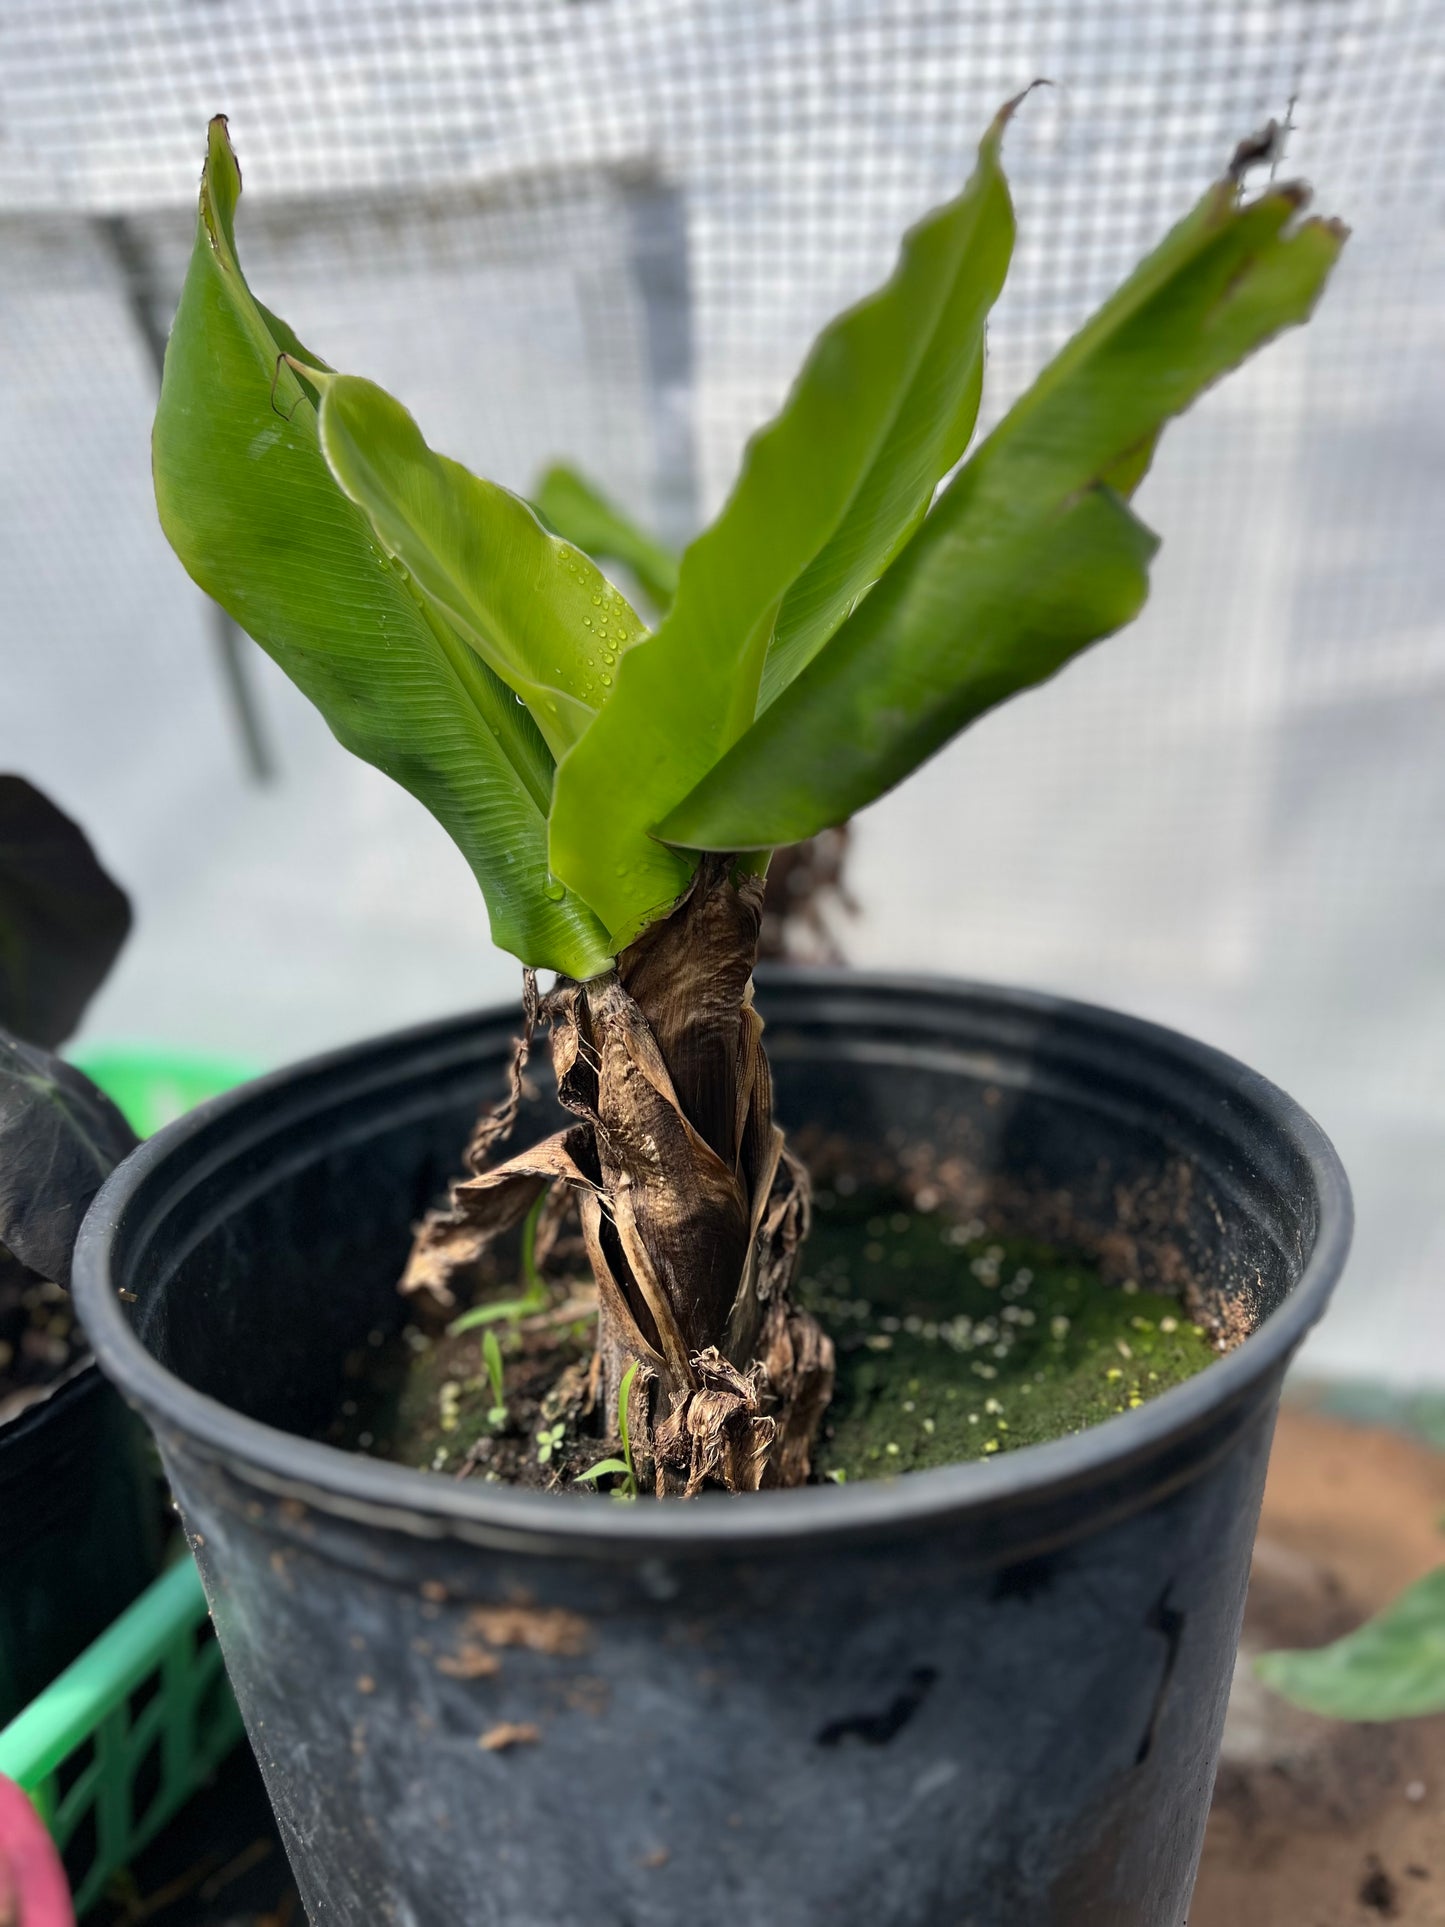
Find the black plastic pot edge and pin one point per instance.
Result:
(397, 1498)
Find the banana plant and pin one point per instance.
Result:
(617, 788)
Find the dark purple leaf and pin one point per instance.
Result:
(60, 1138)
(62, 919)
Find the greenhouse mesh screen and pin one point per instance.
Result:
(607, 230)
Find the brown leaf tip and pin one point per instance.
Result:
(1010, 107)
(1265, 146)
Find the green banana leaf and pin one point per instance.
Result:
(536, 610)
(1392, 1668)
(827, 493)
(962, 620)
(929, 431)
(250, 506)
(866, 715)
(580, 512)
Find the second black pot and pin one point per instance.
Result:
(990, 1694)
(79, 1529)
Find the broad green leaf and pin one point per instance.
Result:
(581, 513)
(926, 654)
(928, 434)
(1392, 1668)
(893, 501)
(536, 610)
(976, 608)
(251, 508)
(1224, 281)
(827, 491)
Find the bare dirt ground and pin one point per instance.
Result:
(1317, 1824)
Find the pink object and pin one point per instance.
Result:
(33, 1892)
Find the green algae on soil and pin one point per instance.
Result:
(956, 1345)
(952, 1344)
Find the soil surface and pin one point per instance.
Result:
(428, 1397)
(1317, 1824)
(952, 1344)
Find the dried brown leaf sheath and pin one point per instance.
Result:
(692, 1208)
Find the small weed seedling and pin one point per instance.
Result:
(507, 1311)
(492, 1360)
(622, 1468)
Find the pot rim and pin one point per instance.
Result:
(348, 1484)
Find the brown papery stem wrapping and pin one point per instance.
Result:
(693, 1209)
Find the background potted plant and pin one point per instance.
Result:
(1391, 1668)
(79, 1523)
(994, 1688)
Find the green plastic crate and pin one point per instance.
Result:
(127, 1733)
(153, 1084)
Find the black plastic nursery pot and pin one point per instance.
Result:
(987, 1694)
(79, 1529)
